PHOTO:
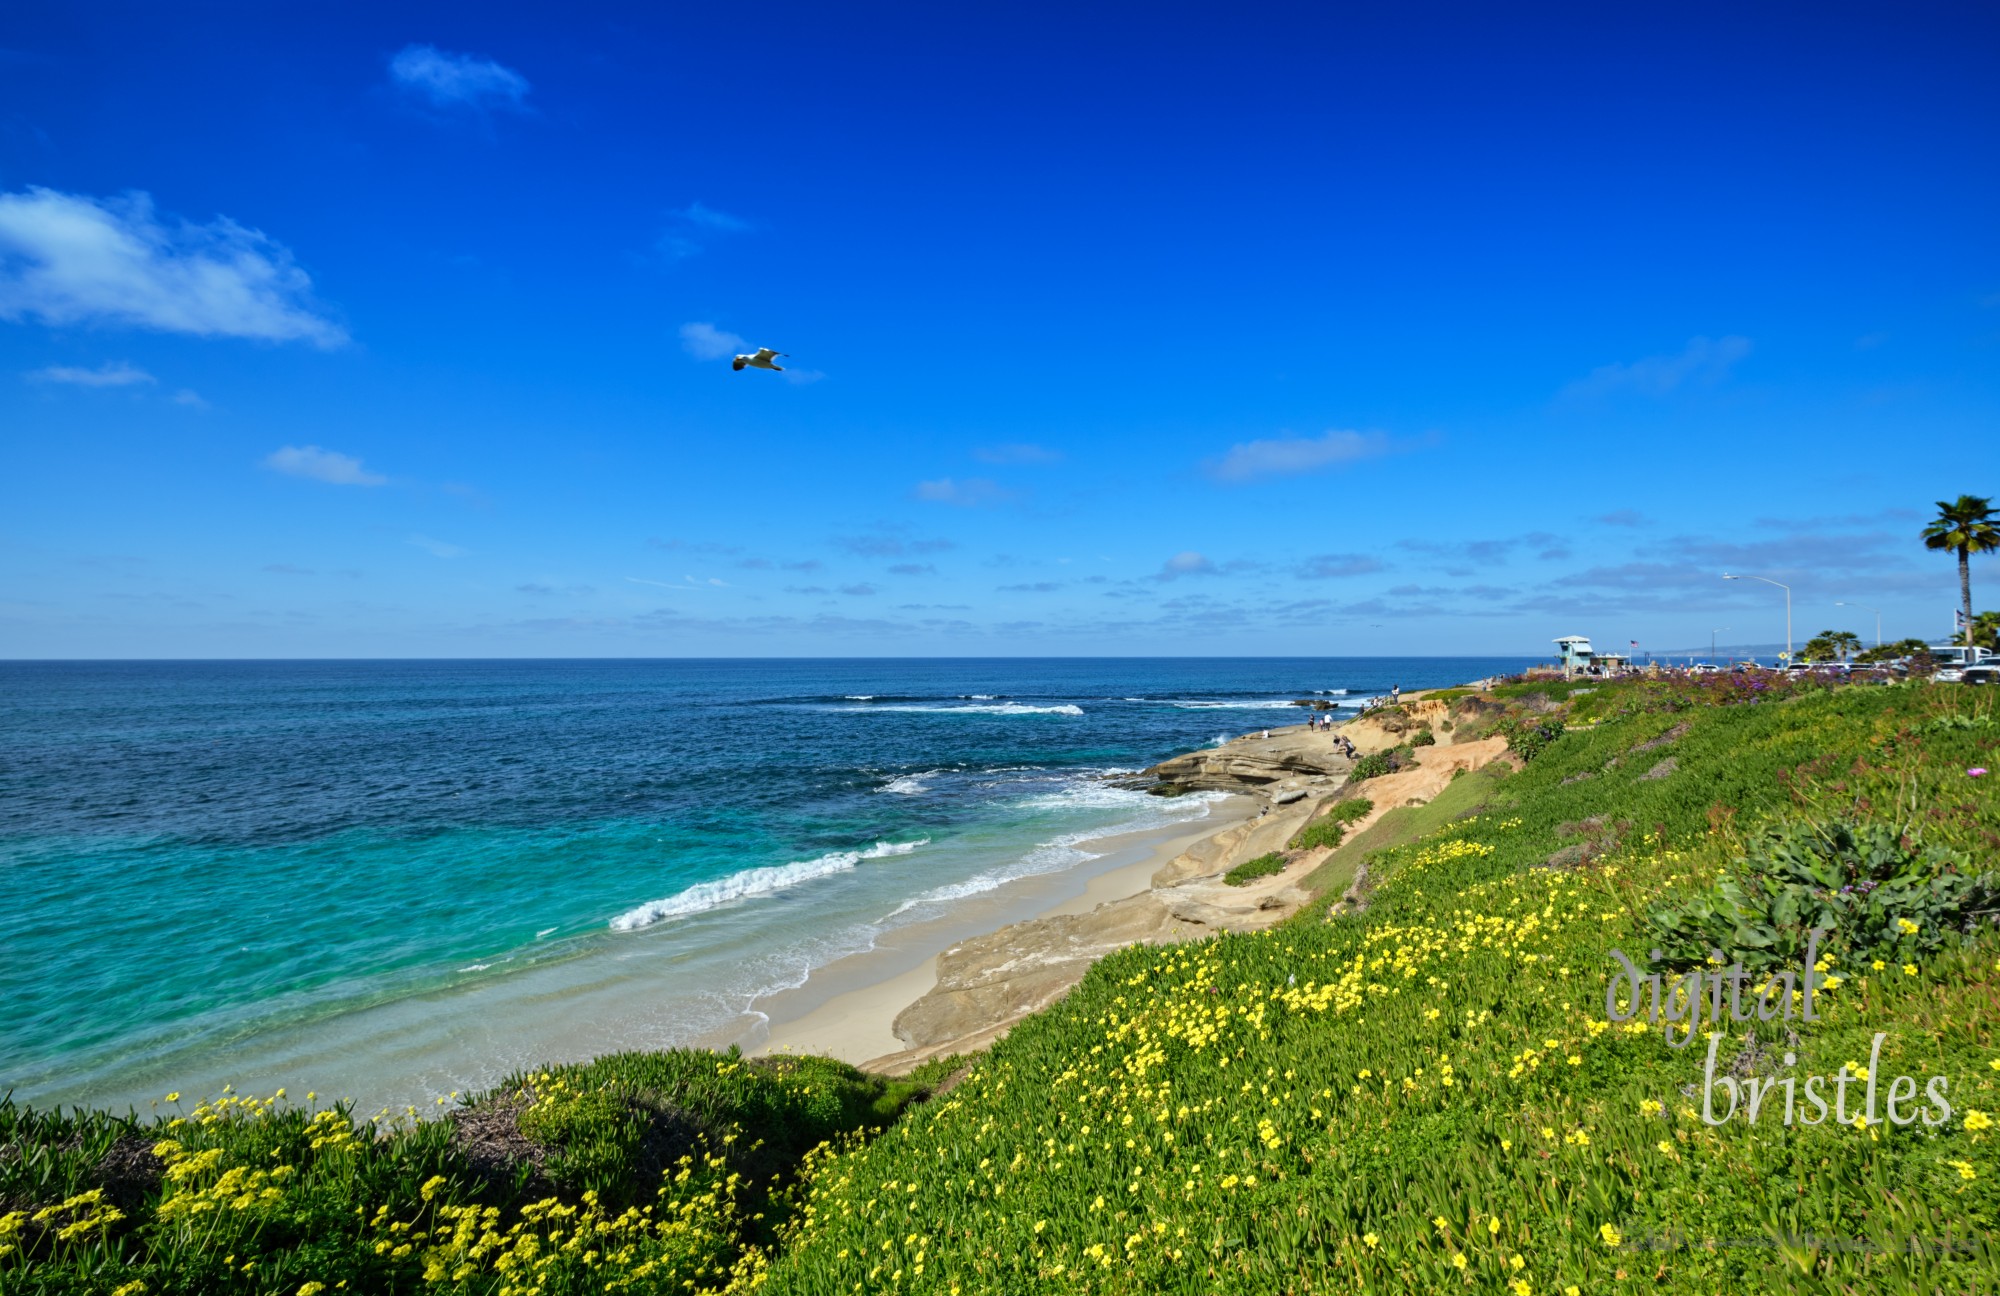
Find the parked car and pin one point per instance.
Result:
(1986, 673)
(1949, 674)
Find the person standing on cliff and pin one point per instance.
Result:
(1395, 694)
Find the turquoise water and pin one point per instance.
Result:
(216, 867)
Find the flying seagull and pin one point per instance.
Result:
(762, 360)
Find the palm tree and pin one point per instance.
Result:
(1965, 526)
(1844, 642)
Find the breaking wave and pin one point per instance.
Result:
(750, 883)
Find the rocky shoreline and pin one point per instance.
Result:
(987, 984)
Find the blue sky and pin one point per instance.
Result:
(371, 331)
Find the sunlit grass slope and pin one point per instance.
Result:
(1428, 1097)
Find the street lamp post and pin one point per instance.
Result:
(1878, 618)
(1711, 643)
(1788, 606)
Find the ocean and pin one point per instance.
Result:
(413, 876)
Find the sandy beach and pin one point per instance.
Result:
(845, 1009)
(1020, 948)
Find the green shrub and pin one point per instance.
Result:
(1880, 897)
(1424, 738)
(1249, 871)
(1374, 766)
(1330, 829)
(1530, 736)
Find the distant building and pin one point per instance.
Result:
(1574, 655)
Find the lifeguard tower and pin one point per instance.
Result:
(1574, 655)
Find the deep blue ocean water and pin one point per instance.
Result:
(196, 853)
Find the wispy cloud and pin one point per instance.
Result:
(969, 492)
(689, 229)
(1289, 456)
(685, 582)
(109, 374)
(71, 259)
(447, 80)
(1622, 518)
(1335, 565)
(1702, 360)
(287, 569)
(912, 569)
(438, 548)
(1017, 453)
(189, 398)
(328, 466)
(704, 341)
(1187, 563)
(887, 545)
(862, 590)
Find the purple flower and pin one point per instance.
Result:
(1977, 771)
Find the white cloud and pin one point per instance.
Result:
(451, 80)
(1186, 563)
(71, 259)
(322, 465)
(438, 548)
(189, 398)
(108, 374)
(704, 341)
(1289, 456)
(969, 492)
(1701, 360)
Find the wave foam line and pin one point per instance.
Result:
(910, 784)
(1061, 853)
(751, 883)
(1003, 708)
(1233, 706)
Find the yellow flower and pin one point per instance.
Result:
(1977, 1120)
(1517, 1261)
(1909, 969)
(1665, 1146)
(1880, 966)
(136, 1288)
(1521, 1287)
(174, 1097)
(311, 1288)
(1964, 1168)
(1909, 928)
(1611, 1236)
(1371, 1240)
(1458, 1259)
(1650, 1107)
(1439, 1221)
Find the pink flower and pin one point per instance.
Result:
(1976, 771)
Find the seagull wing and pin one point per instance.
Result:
(738, 363)
(764, 355)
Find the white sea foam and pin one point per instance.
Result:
(910, 784)
(543, 932)
(1245, 705)
(475, 967)
(1067, 851)
(1001, 708)
(751, 883)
